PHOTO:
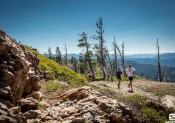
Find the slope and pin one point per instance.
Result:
(61, 73)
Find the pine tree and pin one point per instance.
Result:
(65, 56)
(100, 49)
(58, 56)
(74, 63)
(83, 43)
(49, 53)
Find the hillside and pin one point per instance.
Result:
(56, 71)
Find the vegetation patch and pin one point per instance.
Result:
(105, 91)
(52, 86)
(41, 106)
(56, 71)
(160, 90)
(150, 115)
(144, 112)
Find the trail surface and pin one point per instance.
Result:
(149, 89)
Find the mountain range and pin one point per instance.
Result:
(168, 58)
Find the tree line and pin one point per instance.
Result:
(94, 56)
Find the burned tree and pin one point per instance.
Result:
(158, 63)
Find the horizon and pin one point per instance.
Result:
(43, 24)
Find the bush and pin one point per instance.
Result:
(136, 100)
(51, 86)
(150, 115)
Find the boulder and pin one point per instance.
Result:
(28, 104)
(18, 78)
(36, 95)
(15, 69)
(169, 101)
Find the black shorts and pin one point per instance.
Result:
(130, 78)
(118, 77)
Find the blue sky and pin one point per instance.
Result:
(50, 23)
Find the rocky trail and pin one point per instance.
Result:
(163, 92)
(124, 87)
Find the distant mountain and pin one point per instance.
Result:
(168, 56)
(73, 55)
(141, 56)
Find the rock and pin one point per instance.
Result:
(15, 73)
(105, 107)
(44, 114)
(74, 94)
(28, 104)
(2, 112)
(15, 110)
(30, 114)
(36, 95)
(116, 118)
(7, 119)
(87, 116)
(30, 121)
(35, 83)
(3, 106)
(15, 64)
(169, 101)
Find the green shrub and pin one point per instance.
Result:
(124, 78)
(150, 115)
(41, 106)
(136, 100)
(51, 86)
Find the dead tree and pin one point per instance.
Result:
(122, 55)
(111, 67)
(158, 62)
(115, 55)
(66, 61)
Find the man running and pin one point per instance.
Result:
(118, 74)
(130, 73)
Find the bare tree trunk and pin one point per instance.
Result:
(122, 57)
(163, 71)
(115, 55)
(89, 60)
(158, 62)
(66, 55)
(111, 68)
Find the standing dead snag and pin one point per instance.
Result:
(158, 63)
(122, 55)
(115, 55)
(66, 61)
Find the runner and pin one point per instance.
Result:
(130, 73)
(118, 74)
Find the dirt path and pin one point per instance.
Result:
(137, 86)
